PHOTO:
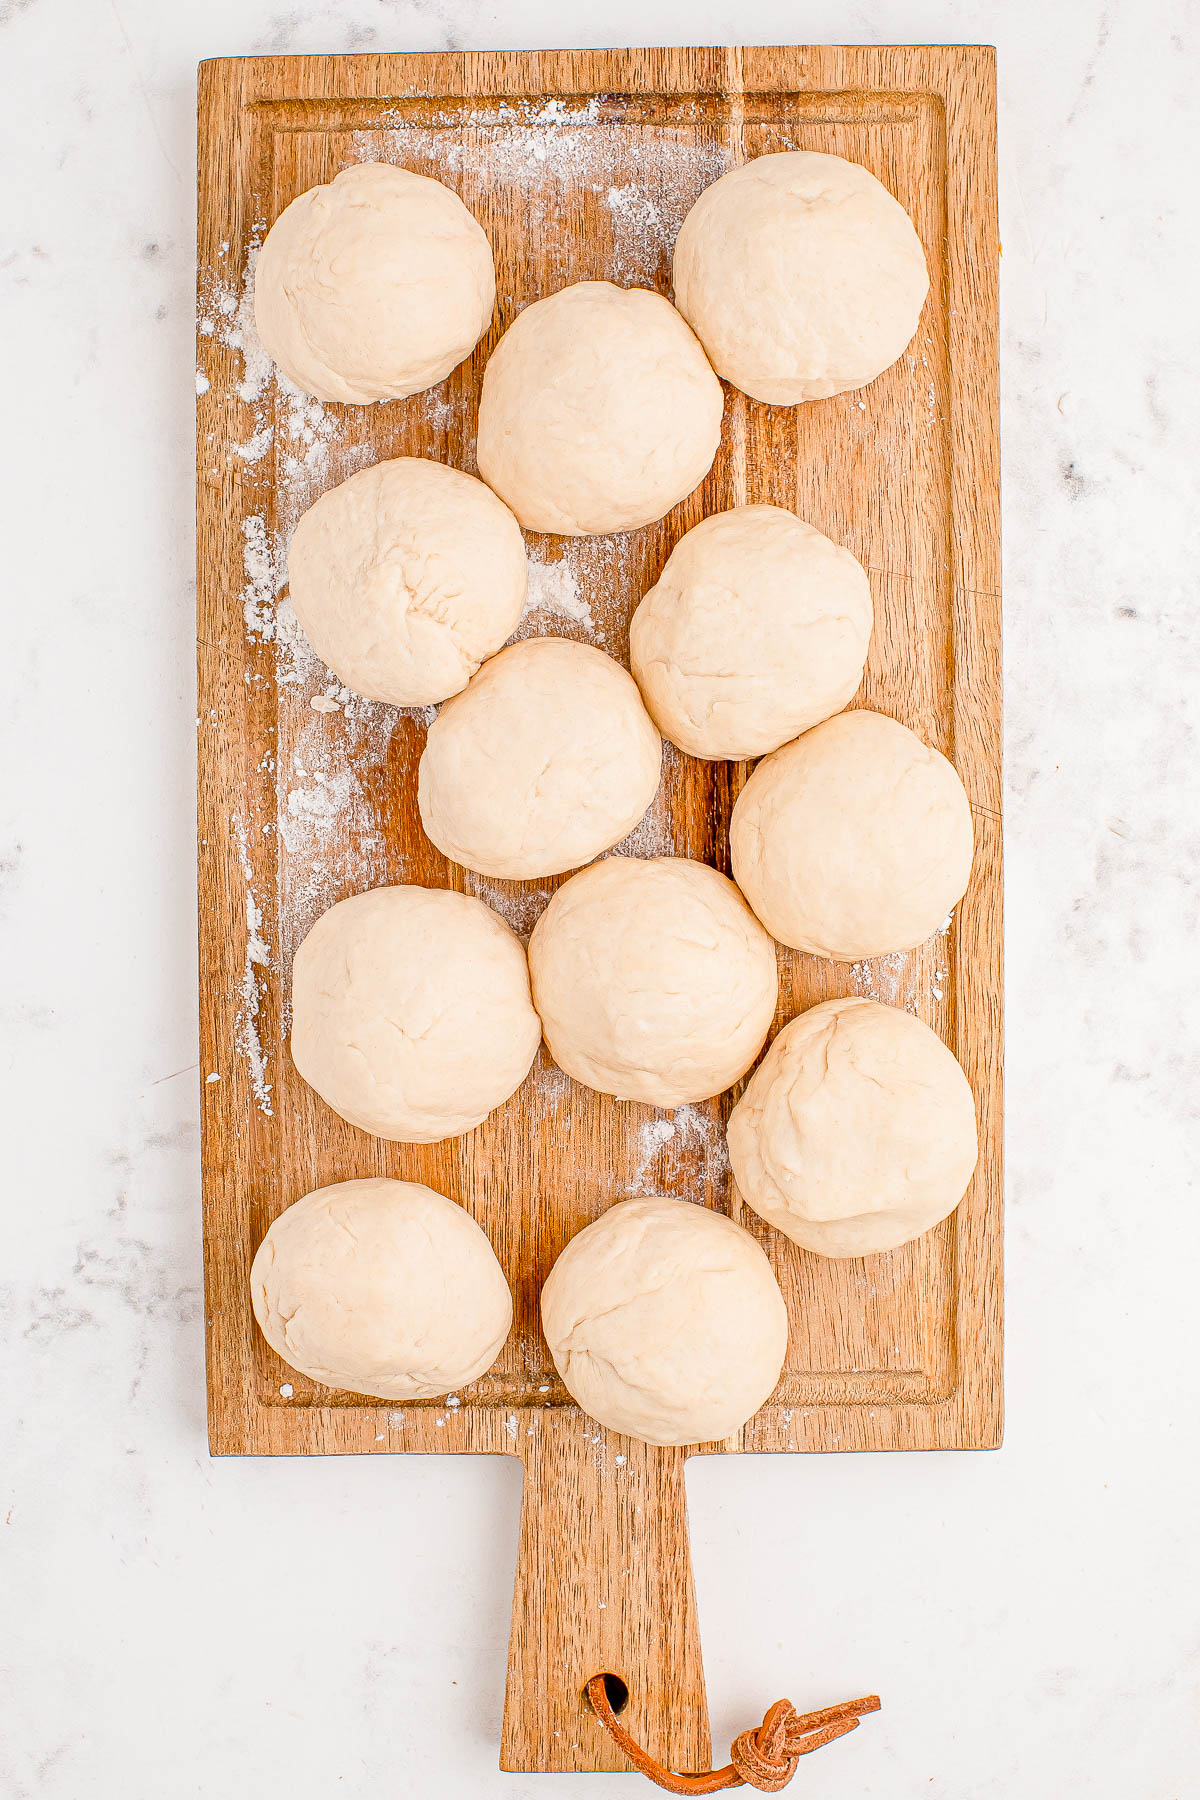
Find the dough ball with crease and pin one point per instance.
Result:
(666, 1322)
(653, 980)
(857, 1130)
(548, 758)
(756, 630)
(854, 841)
(801, 275)
(406, 577)
(411, 1012)
(599, 411)
(373, 286)
(381, 1287)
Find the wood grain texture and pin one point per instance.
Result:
(580, 166)
(603, 1584)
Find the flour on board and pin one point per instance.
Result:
(242, 334)
(540, 151)
(883, 978)
(654, 834)
(691, 1141)
(554, 588)
(551, 1086)
(327, 833)
(650, 1139)
(248, 1037)
(518, 904)
(307, 808)
(583, 586)
(262, 585)
(255, 448)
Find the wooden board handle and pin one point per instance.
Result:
(603, 1585)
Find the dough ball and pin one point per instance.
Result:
(374, 286)
(411, 1014)
(653, 980)
(854, 841)
(857, 1130)
(405, 577)
(547, 759)
(665, 1322)
(757, 628)
(598, 412)
(801, 276)
(381, 1287)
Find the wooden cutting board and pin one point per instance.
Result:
(580, 166)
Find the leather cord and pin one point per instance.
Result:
(764, 1758)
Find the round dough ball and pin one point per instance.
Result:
(598, 412)
(801, 276)
(666, 1322)
(373, 287)
(547, 759)
(857, 1130)
(854, 841)
(757, 629)
(381, 1287)
(411, 1014)
(653, 980)
(405, 577)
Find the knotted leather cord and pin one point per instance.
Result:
(764, 1758)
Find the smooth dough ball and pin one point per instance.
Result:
(599, 411)
(757, 628)
(411, 1014)
(801, 276)
(381, 1287)
(547, 759)
(854, 841)
(374, 286)
(666, 1322)
(653, 980)
(857, 1130)
(405, 577)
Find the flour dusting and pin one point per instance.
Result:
(904, 979)
(654, 834)
(247, 1035)
(650, 1139)
(330, 839)
(242, 333)
(551, 1087)
(882, 979)
(584, 587)
(519, 905)
(262, 580)
(329, 738)
(554, 588)
(296, 660)
(698, 1133)
(541, 151)
(646, 218)
(309, 807)
(256, 447)
(310, 438)
(691, 1138)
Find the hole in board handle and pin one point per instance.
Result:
(615, 1689)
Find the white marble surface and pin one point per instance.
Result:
(178, 1627)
